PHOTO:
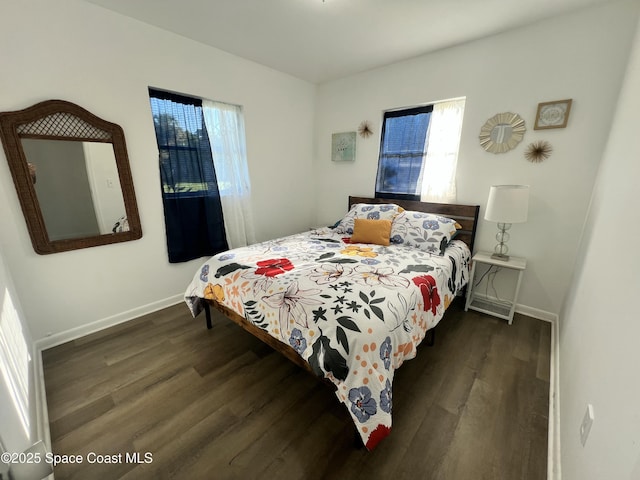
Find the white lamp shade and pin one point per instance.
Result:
(508, 204)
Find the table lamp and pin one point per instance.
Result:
(507, 204)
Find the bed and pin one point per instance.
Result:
(351, 312)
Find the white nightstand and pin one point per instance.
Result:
(501, 309)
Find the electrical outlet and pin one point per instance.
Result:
(585, 427)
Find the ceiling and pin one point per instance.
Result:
(318, 40)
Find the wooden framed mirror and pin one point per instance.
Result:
(72, 176)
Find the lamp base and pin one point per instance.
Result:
(501, 249)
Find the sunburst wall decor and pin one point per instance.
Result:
(502, 132)
(365, 129)
(537, 152)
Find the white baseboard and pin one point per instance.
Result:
(537, 313)
(40, 398)
(554, 471)
(525, 309)
(77, 332)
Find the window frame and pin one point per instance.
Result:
(395, 113)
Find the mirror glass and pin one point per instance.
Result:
(77, 186)
(502, 132)
(72, 176)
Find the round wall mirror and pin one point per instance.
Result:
(502, 132)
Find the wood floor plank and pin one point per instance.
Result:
(467, 456)
(221, 451)
(129, 419)
(431, 442)
(455, 391)
(301, 458)
(99, 380)
(80, 416)
(196, 411)
(184, 449)
(220, 404)
(260, 453)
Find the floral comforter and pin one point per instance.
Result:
(354, 312)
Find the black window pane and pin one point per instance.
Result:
(186, 164)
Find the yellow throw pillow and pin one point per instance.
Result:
(371, 231)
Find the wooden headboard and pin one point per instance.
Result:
(465, 215)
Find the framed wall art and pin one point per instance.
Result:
(552, 114)
(343, 147)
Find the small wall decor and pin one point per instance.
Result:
(502, 132)
(343, 147)
(539, 151)
(553, 114)
(364, 130)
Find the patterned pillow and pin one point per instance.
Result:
(371, 211)
(425, 231)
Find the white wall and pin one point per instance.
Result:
(599, 327)
(580, 56)
(104, 62)
(18, 416)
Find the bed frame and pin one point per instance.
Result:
(465, 215)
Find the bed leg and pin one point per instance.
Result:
(358, 444)
(207, 313)
(431, 337)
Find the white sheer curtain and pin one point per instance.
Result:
(443, 140)
(225, 127)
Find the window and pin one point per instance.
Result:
(419, 151)
(404, 133)
(194, 221)
(204, 173)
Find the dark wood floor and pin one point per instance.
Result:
(220, 405)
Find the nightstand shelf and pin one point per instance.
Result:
(502, 309)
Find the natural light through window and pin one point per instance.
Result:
(441, 159)
(419, 152)
(14, 359)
